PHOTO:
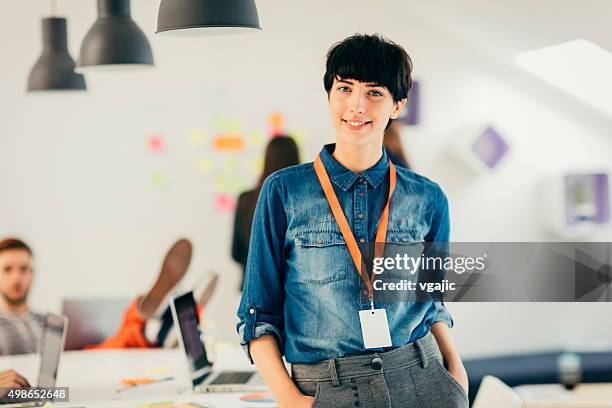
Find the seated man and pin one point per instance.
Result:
(20, 328)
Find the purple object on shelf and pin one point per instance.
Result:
(603, 198)
(490, 147)
(412, 114)
(587, 198)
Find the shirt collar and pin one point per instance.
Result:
(344, 178)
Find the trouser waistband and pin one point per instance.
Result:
(417, 352)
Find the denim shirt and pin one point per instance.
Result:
(301, 284)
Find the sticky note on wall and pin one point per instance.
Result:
(229, 142)
(298, 137)
(225, 203)
(197, 138)
(204, 166)
(232, 126)
(256, 165)
(156, 143)
(159, 179)
(224, 124)
(277, 123)
(222, 183)
(232, 164)
(257, 139)
(218, 122)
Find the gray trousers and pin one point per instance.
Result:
(409, 376)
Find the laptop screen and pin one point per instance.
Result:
(92, 320)
(189, 324)
(51, 346)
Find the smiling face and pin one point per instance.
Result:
(360, 111)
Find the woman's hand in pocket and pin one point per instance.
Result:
(457, 370)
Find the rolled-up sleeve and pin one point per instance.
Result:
(261, 307)
(440, 233)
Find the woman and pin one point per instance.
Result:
(281, 152)
(306, 295)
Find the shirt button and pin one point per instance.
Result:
(362, 240)
(360, 215)
(361, 194)
(252, 311)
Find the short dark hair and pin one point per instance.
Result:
(370, 58)
(14, 243)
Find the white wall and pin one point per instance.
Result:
(75, 173)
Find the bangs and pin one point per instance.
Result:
(370, 59)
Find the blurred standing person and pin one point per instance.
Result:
(393, 144)
(281, 152)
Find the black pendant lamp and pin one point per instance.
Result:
(206, 17)
(114, 41)
(54, 70)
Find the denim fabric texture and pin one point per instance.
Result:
(301, 284)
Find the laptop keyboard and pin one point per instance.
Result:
(233, 377)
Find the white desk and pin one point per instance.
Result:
(598, 395)
(95, 376)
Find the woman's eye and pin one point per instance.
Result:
(375, 93)
(344, 89)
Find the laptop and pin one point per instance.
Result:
(92, 320)
(51, 347)
(203, 377)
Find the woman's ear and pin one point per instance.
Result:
(397, 108)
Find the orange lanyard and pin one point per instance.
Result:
(349, 238)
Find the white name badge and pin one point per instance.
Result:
(375, 328)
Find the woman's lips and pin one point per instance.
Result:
(355, 124)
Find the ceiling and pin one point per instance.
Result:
(504, 28)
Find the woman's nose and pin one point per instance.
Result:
(357, 103)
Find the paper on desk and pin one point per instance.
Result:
(163, 404)
(262, 399)
(170, 404)
(543, 392)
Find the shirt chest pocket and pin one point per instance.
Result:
(407, 229)
(322, 257)
(405, 244)
(404, 236)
